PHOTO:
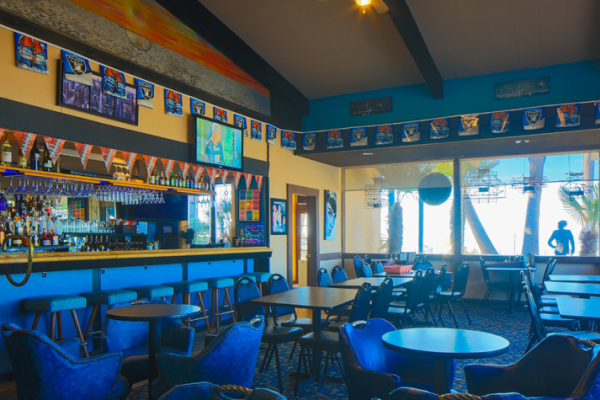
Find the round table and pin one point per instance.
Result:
(152, 313)
(445, 345)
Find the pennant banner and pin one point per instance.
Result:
(224, 174)
(84, 151)
(108, 155)
(145, 93)
(248, 178)
(77, 68)
(26, 141)
(150, 164)
(113, 82)
(185, 167)
(309, 141)
(197, 169)
(256, 130)
(240, 122)
(271, 135)
(334, 139)
(129, 159)
(468, 125)
(212, 173)
(31, 54)
(54, 146)
(288, 140)
(1, 133)
(236, 178)
(173, 103)
(168, 166)
(259, 181)
(219, 114)
(197, 107)
(358, 137)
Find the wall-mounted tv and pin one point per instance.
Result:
(218, 144)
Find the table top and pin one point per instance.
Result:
(575, 278)
(512, 266)
(445, 343)
(375, 282)
(152, 312)
(576, 289)
(571, 307)
(309, 297)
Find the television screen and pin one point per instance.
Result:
(218, 144)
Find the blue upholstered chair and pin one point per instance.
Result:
(131, 338)
(45, 370)
(208, 391)
(559, 367)
(338, 274)
(371, 370)
(359, 267)
(230, 359)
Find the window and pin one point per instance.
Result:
(201, 212)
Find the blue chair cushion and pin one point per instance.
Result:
(135, 362)
(219, 283)
(110, 297)
(152, 291)
(261, 277)
(54, 303)
(188, 286)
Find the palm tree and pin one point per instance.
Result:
(585, 213)
(531, 233)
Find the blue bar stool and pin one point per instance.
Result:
(186, 288)
(54, 305)
(152, 292)
(261, 278)
(108, 298)
(215, 311)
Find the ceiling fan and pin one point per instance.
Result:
(378, 5)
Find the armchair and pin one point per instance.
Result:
(371, 370)
(45, 370)
(131, 338)
(229, 359)
(208, 391)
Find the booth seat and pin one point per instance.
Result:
(208, 391)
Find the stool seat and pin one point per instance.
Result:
(110, 297)
(261, 277)
(219, 283)
(55, 303)
(188, 286)
(152, 291)
(249, 276)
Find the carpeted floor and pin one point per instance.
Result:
(492, 318)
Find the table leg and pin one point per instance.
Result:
(316, 325)
(442, 368)
(153, 349)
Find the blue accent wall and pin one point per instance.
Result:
(569, 83)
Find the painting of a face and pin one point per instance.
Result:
(330, 215)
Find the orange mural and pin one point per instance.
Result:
(149, 20)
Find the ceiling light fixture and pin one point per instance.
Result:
(367, 154)
(522, 141)
(363, 3)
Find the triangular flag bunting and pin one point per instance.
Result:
(84, 151)
(26, 141)
(109, 155)
(224, 174)
(150, 164)
(129, 158)
(185, 167)
(248, 178)
(54, 146)
(236, 178)
(197, 172)
(1, 133)
(259, 181)
(168, 166)
(212, 173)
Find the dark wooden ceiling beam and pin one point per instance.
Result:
(409, 31)
(198, 18)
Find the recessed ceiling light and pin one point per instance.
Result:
(367, 154)
(363, 2)
(522, 141)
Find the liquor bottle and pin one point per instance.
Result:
(202, 183)
(96, 243)
(180, 181)
(162, 178)
(2, 232)
(6, 153)
(47, 160)
(39, 57)
(34, 158)
(152, 179)
(21, 159)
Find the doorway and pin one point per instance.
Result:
(303, 236)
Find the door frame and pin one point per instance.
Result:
(312, 261)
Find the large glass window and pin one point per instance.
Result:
(201, 212)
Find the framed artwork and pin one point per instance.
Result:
(279, 217)
(254, 234)
(330, 214)
(249, 205)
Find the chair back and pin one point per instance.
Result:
(367, 271)
(529, 259)
(383, 299)
(377, 267)
(462, 277)
(427, 286)
(421, 264)
(244, 291)
(323, 278)
(367, 259)
(413, 293)
(277, 284)
(338, 274)
(440, 280)
(359, 267)
(539, 330)
(362, 303)
(484, 271)
(549, 269)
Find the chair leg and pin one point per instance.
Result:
(264, 361)
(203, 308)
(79, 334)
(337, 360)
(92, 317)
(59, 323)
(215, 307)
(229, 303)
(173, 298)
(440, 314)
(293, 349)
(465, 308)
(53, 326)
(452, 313)
(300, 360)
(276, 350)
(432, 315)
(36, 320)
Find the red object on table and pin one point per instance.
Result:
(397, 269)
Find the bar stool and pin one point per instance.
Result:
(261, 278)
(151, 292)
(186, 288)
(108, 298)
(215, 311)
(54, 305)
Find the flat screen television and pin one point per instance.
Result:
(218, 144)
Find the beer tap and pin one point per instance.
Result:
(29, 242)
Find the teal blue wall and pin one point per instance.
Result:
(569, 83)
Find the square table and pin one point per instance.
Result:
(312, 298)
(575, 278)
(513, 269)
(374, 282)
(583, 290)
(584, 310)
